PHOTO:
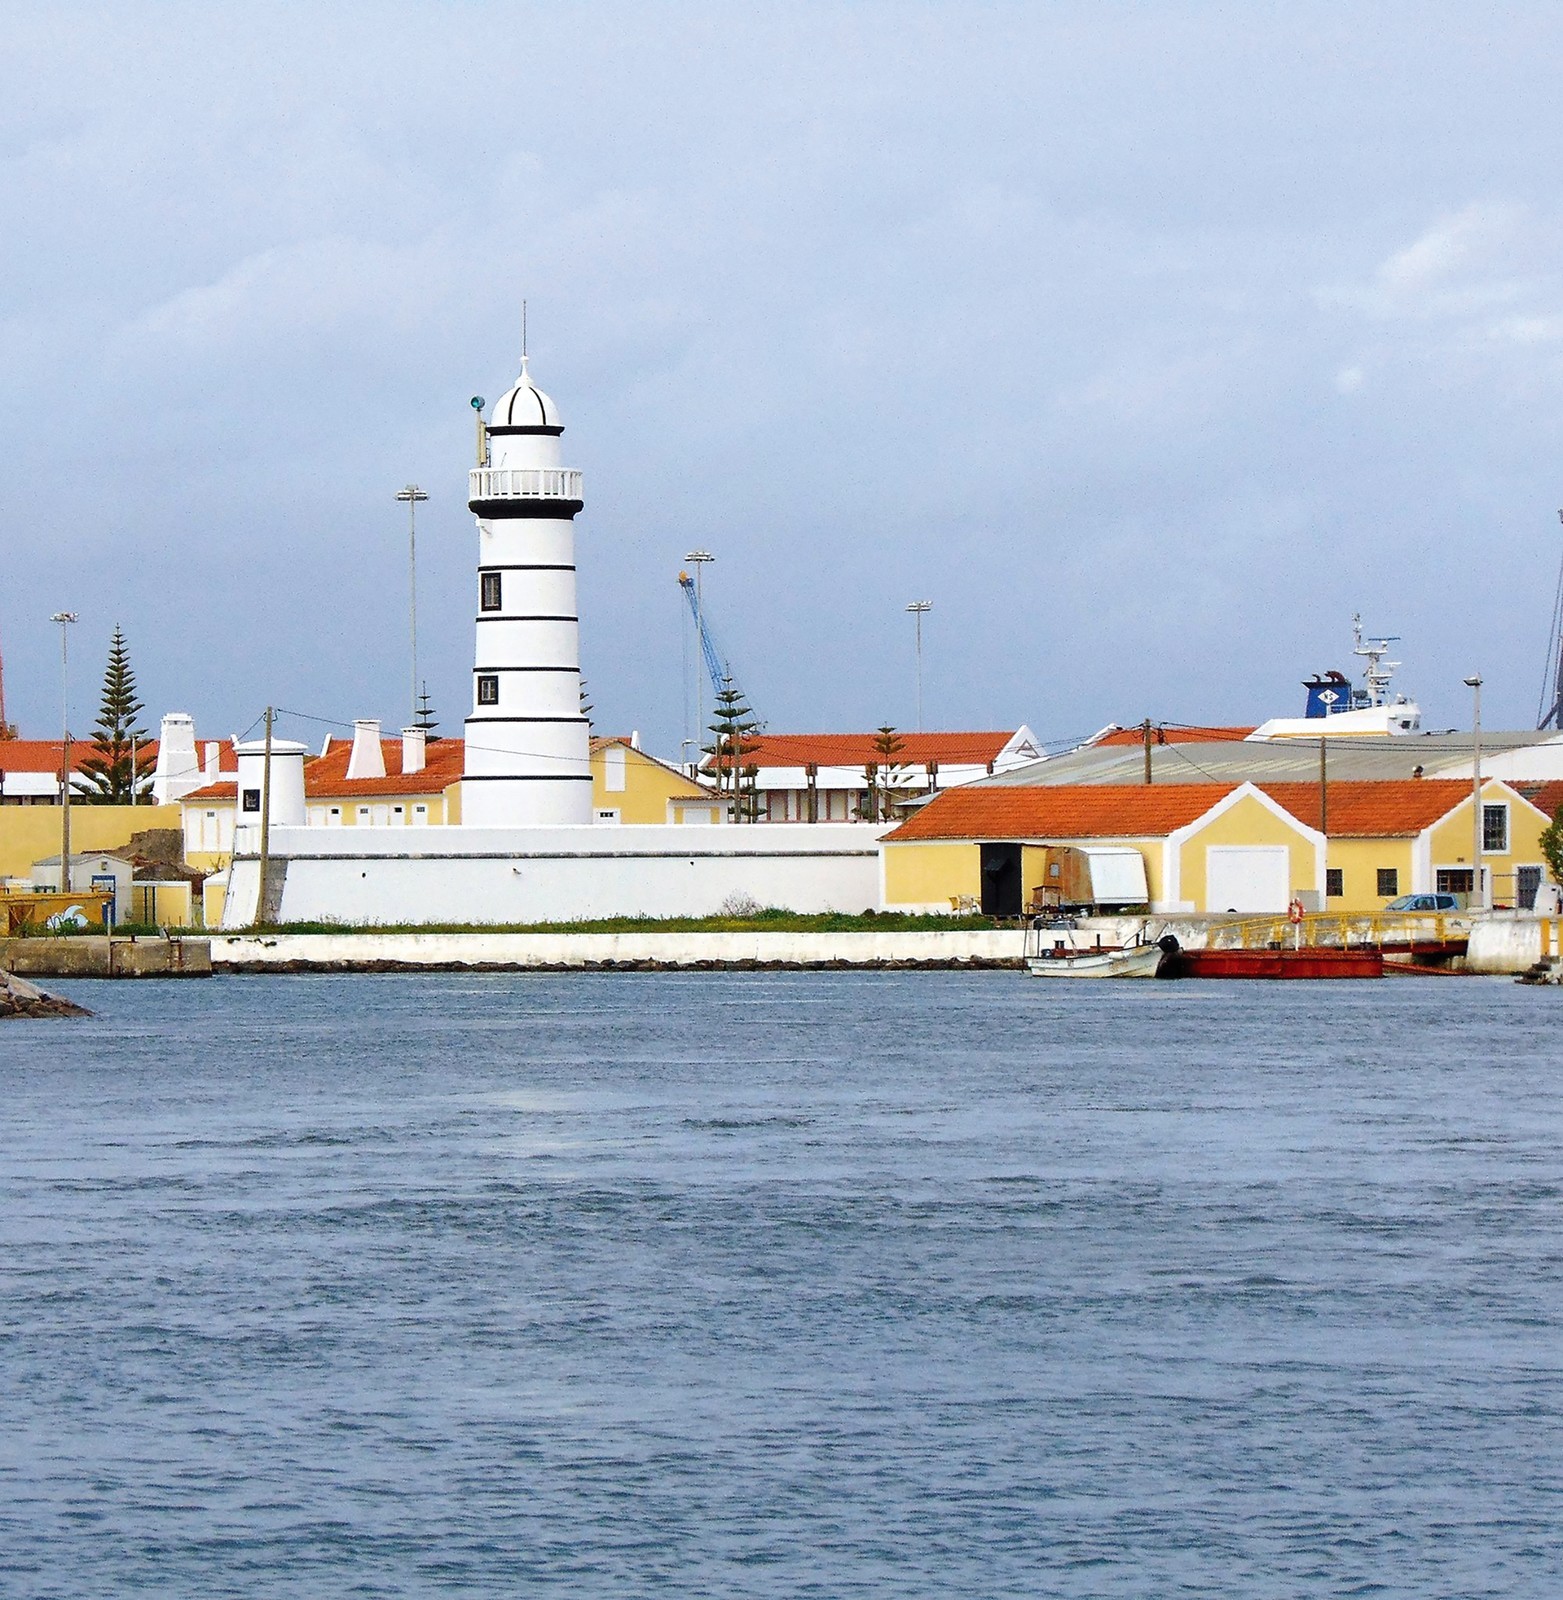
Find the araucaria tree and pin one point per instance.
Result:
(119, 766)
(884, 775)
(733, 740)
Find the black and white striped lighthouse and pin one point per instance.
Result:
(528, 749)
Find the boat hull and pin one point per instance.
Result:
(1140, 961)
(1306, 963)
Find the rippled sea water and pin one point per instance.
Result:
(754, 1284)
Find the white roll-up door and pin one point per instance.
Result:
(1244, 877)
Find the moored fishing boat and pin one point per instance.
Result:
(1058, 948)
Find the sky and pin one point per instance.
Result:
(1149, 342)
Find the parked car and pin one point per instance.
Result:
(1425, 902)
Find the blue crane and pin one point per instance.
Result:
(719, 675)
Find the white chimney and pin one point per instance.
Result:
(211, 761)
(413, 749)
(367, 759)
(177, 771)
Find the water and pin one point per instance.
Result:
(836, 1285)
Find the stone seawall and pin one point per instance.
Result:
(98, 956)
(563, 952)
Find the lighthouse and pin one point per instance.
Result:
(527, 753)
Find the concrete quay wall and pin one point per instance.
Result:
(1512, 943)
(408, 952)
(98, 956)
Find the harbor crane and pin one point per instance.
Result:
(1549, 712)
(718, 669)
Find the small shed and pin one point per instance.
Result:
(88, 871)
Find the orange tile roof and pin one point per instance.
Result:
(325, 778)
(1374, 808)
(1175, 736)
(222, 790)
(43, 755)
(1544, 796)
(857, 749)
(1065, 811)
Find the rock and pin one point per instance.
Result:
(19, 998)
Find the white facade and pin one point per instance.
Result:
(511, 875)
(527, 743)
(286, 807)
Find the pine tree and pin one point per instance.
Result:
(733, 728)
(106, 777)
(884, 775)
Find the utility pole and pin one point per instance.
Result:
(65, 619)
(1324, 793)
(412, 494)
(920, 609)
(1145, 732)
(265, 838)
(1478, 899)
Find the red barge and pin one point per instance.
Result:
(1311, 961)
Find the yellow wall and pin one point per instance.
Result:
(1452, 842)
(1248, 822)
(932, 873)
(31, 833)
(648, 786)
(1359, 861)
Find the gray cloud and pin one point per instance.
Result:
(1149, 342)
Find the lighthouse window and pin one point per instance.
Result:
(252, 799)
(488, 591)
(488, 689)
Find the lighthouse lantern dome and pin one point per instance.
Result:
(524, 405)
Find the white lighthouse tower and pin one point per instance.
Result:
(527, 757)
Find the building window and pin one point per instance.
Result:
(1388, 882)
(1453, 880)
(488, 689)
(1332, 883)
(488, 591)
(1495, 829)
(252, 800)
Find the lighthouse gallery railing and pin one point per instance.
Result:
(524, 483)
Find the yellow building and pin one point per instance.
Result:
(630, 786)
(1417, 835)
(1205, 847)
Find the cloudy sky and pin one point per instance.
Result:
(1148, 341)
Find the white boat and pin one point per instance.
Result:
(1058, 948)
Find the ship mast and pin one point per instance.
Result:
(1378, 671)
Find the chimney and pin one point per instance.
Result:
(211, 756)
(367, 759)
(412, 750)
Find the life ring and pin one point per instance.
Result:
(1295, 911)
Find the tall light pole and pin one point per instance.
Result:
(412, 494)
(699, 560)
(1479, 900)
(920, 609)
(65, 619)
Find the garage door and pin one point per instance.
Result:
(1247, 877)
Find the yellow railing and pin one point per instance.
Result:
(1339, 930)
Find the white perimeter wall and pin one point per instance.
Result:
(508, 875)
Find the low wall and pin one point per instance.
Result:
(96, 956)
(1505, 944)
(520, 875)
(395, 952)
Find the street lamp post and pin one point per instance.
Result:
(920, 609)
(65, 619)
(699, 560)
(1474, 684)
(412, 494)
